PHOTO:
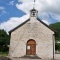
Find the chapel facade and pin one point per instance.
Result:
(32, 38)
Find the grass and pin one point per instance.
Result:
(3, 53)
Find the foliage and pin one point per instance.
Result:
(57, 46)
(56, 28)
(4, 41)
(3, 53)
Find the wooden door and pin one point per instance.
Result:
(31, 47)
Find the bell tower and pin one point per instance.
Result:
(33, 12)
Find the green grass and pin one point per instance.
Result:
(3, 53)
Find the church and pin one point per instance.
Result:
(32, 38)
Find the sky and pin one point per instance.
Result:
(14, 12)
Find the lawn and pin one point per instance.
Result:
(3, 53)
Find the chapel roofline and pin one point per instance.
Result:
(29, 20)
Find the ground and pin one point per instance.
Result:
(57, 57)
(4, 58)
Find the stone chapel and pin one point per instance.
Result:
(32, 38)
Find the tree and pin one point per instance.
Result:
(57, 46)
(56, 27)
(4, 41)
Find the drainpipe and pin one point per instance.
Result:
(53, 46)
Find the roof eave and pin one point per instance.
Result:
(18, 26)
(46, 25)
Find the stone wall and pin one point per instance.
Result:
(32, 30)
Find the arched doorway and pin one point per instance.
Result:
(31, 47)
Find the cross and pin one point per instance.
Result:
(34, 0)
(34, 3)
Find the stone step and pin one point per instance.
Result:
(24, 59)
(31, 57)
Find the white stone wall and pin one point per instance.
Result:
(32, 30)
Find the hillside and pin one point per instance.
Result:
(56, 27)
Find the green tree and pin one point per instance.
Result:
(56, 28)
(57, 46)
(4, 41)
